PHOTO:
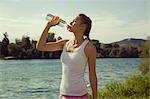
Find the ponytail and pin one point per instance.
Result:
(87, 37)
(88, 22)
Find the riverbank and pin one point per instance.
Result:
(135, 87)
(15, 58)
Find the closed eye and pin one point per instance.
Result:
(74, 21)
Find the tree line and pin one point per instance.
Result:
(25, 48)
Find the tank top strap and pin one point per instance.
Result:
(68, 43)
(84, 44)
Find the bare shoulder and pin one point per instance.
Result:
(90, 49)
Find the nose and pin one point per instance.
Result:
(71, 23)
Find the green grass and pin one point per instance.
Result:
(136, 87)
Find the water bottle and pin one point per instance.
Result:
(62, 22)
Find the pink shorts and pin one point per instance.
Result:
(86, 96)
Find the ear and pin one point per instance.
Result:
(83, 26)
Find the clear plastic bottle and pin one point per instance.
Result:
(62, 22)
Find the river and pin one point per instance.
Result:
(40, 79)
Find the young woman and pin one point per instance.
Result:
(75, 56)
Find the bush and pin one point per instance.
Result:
(145, 62)
(136, 87)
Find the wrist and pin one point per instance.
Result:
(95, 98)
(49, 24)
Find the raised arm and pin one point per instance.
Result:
(50, 46)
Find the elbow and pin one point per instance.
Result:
(39, 47)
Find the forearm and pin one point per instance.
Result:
(42, 40)
(93, 82)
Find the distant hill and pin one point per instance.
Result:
(130, 41)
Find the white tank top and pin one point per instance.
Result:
(73, 68)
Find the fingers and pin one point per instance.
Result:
(55, 18)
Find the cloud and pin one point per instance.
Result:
(17, 22)
(17, 27)
(31, 26)
(111, 28)
(105, 28)
(36, 0)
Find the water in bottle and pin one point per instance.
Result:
(62, 22)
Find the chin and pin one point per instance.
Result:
(69, 29)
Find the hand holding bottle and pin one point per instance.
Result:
(54, 21)
(61, 22)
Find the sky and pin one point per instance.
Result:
(112, 20)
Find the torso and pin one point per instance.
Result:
(73, 67)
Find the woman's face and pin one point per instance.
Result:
(75, 25)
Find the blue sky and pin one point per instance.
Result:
(113, 20)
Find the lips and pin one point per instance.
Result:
(69, 27)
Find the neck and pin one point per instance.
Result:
(78, 39)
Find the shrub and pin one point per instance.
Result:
(136, 87)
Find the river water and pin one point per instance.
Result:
(40, 79)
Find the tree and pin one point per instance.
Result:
(34, 42)
(114, 52)
(18, 41)
(14, 50)
(4, 46)
(51, 37)
(26, 42)
(59, 38)
(21, 47)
